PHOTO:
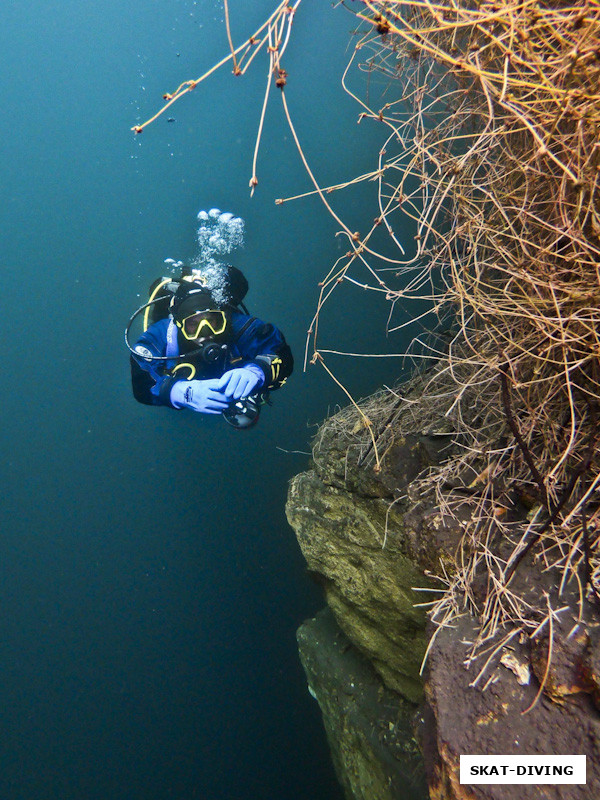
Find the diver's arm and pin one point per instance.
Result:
(276, 367)
(141, 383)
(150, 386)
(263, 345)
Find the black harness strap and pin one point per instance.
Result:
(242, 330)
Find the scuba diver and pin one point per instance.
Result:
(200, 349)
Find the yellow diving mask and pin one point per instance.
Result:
(203, 323)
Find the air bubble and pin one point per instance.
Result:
(218, 234)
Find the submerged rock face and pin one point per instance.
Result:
(368, 586)
(369, 537)
(369, 553)
(369, 727)
(363, 657)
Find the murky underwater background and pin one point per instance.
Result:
(151, 587)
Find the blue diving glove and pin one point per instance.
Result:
(241, 382)
(203, 396)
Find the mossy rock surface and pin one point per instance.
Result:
(369, 727)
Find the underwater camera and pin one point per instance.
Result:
(243, 413)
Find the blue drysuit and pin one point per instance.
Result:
(250, 341)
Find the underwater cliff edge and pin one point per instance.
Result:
(373, 532)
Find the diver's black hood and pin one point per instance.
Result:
(189, 298)
(220, 288)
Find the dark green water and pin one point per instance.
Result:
(151, 587)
